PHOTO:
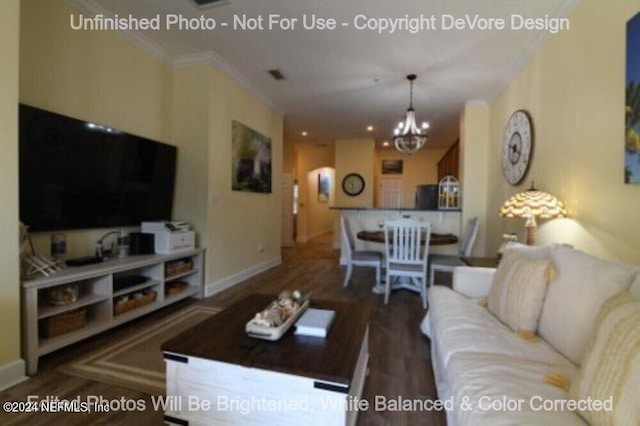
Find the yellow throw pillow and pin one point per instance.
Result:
(611, 365)
(518, 290)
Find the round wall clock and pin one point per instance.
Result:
(517, 147)
(353, 184)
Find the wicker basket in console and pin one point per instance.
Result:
(63, 323)
(176, 267)
(120, 306)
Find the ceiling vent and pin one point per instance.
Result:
(276, 74)
(203, 4)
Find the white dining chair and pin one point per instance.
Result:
(366, 258)
(406, 250)
(446, 263)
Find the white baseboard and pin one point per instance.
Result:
(237, 278)
(12, 373)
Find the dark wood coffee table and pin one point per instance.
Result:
(216, 364)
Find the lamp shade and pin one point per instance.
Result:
(533, 204)
(538, 204)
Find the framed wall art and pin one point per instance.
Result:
(323, 187)
(632, 103)
(392, 167)
(251, 159)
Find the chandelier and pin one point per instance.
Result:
(407, 137)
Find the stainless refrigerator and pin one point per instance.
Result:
(426, 197)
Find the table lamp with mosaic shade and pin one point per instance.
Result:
(531, 205)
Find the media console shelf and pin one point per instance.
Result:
(93, 298)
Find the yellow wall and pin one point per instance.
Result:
(575, 90)
(190, 133)
(354, 156)
(9, 266)
(100, 76)
(475, 147)
(308, 157)
(320, 217)
(240, 222)
(90, 75)
(418, 169)
(288, 157)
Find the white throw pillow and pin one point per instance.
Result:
(517, 291)
(582, 284)
(611, 366)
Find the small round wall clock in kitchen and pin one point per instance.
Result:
(517, 147)
(353, 184)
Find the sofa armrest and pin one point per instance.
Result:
(472, 282)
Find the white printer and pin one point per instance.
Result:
(170, 237)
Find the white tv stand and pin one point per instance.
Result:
(97, 297)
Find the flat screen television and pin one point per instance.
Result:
(80, 175)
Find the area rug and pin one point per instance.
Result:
(136, 362)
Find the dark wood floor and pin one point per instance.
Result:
(400, 361)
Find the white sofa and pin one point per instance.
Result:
(490, 373)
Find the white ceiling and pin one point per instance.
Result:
(340, 81)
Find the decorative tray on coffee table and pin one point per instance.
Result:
(276, 319)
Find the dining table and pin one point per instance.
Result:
(377, 236)
(435, 239)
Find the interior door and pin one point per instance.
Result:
(391, 193)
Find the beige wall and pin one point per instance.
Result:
(575, 90)
(355, 156)
(9, 269)
(418, 169)
(102, 77)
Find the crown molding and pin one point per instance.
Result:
(564, 10)
(191, 59)
(212, 59)
(179, 61)
(138, 39)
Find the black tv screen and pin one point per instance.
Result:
(80, 175)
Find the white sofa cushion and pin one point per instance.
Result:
(473, 282)
(611, 366)
(486, 379)
(574, 297)
(518, 290)
(459, 325)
